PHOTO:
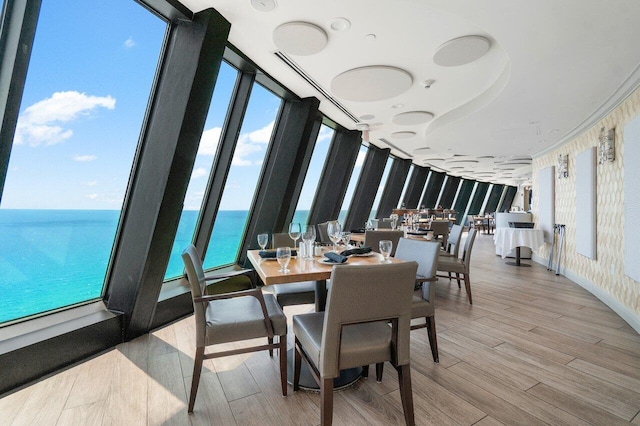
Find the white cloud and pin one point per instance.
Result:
(84, 158)
(251, 143)
(129, 43)
(41, 122)
(326, 133)
(92, 183)
(199, 172)
(209, 141)
(262, 135)
(360, 158)
(92, 196)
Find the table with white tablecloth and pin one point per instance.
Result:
(506, 239)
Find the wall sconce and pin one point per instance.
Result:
(563, 166)
(606, 145)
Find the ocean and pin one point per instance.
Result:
(51, 259)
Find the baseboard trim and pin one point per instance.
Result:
(622, 310)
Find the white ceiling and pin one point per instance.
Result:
(553, 69)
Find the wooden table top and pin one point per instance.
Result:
(303, 270)
(359, 238)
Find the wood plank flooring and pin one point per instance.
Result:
(533, 349)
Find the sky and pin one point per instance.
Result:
(91, 71)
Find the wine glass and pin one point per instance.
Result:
(394, 221)
(385, 249)
(309, 236)
(294, 233)
(346, 239)
(333, 229)
(263, 239)
(283, 254)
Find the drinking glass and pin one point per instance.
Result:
(346, 239)
(385, 250)
(394, 221)
(263, 239)
(333, 229)
(294, 233)
(283, 254)
(309, 236)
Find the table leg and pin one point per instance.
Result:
(517, 262)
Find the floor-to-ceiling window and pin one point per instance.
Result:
(357, 168)
(313, 174)
(202, 168)
(383, 183)
(242, 180)
(84, 102)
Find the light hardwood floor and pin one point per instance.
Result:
(533, 349)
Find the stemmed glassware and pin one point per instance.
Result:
(309, 236)
(346, 238)
(385, 250)
(334, 229)
(283, 254)
(294, 233)
(394, 221)
(263, 239)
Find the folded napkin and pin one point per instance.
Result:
(271, 254)
(335, 257)
(361, 250)
(418, 232)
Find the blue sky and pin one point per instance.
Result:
(89, 78)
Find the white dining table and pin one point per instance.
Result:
(507, 239)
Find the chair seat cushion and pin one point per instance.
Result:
(362, 344)
(295, 293)
(240, 318)
(450, 264)
(421, 308)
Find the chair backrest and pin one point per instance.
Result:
(426, 254)
(468, 245)
(372, 239)
(470, 221)
(323, 235)
(281, 239)
(195, 275)
(440, 227)
(453, 243)
(385, 223)
(388, 289)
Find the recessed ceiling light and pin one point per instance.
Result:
(340, 24)
(355, 84)
(367, 117)
(403, 135)
(370, 37)
(264, 5)
(412, 118)
(396, 106)
(300, 38)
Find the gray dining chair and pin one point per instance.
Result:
(232, 317)
(323, 235)
(462, 266)
(440, 230)
(452, 248)
(372, 239)
(350, 333)
(425, 253)
(300, 293)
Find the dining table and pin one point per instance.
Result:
(268, 269)
(506, 239)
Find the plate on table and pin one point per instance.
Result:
(326, 261)
(362, 254)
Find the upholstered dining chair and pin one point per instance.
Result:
(440, 230)
(372, 239)
(323, 234)
(232, 317)
(460, 266)
(290, 294)
(425, 253)
(350, 333)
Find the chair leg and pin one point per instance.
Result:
(404, 379)
(326, 402)
(458, 279)
(282, 354)
(297, 359)
(365, 371)
(433, 341)
(379, 371)
(195, 379)
(467, 285)
(270, 340)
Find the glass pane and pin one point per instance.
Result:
(404, 189)
(383, 183)
(352, 183)
(91, 71)
(242, 180)
(313, 174)
(202, 167)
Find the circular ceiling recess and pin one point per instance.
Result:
(412, 118)
(403, 135)
(370, 84)
(300, 38)
(461, 50)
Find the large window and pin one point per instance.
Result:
(202, 168)
(352, 183)
(242, 180)
(87, 89)
(313, 174)
(383, 183)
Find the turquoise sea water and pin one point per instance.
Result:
(55, 258)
